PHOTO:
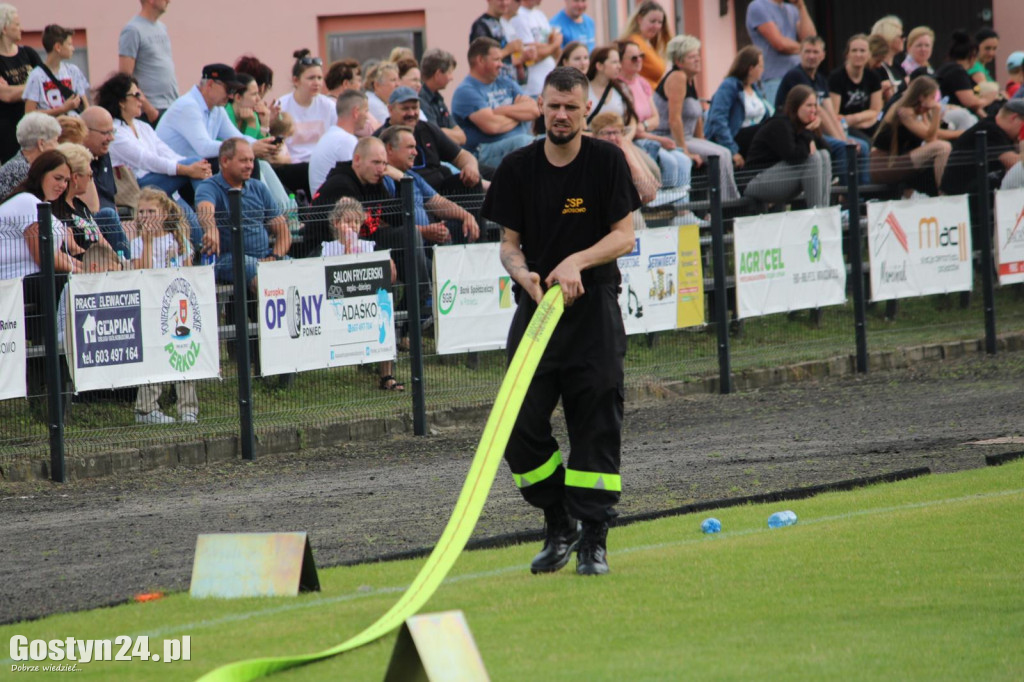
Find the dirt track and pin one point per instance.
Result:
(94, 542)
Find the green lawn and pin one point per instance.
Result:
(917, 580)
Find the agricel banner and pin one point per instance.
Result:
(141, 327)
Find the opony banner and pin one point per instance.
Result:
(789, 261)
(1010, 235)
(12, 340)
(919, 247)
(473, 304)
(326, 313)
(142, 326)
(649, 277)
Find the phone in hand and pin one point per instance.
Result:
(278, 139)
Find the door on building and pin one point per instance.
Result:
(837, 21)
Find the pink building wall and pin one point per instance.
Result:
(1008, 16)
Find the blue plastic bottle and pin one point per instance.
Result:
(781, 519)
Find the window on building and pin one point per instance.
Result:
(372, 36)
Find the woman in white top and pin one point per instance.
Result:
(606, 92)
(312, 112)
(48, 179)
(136, 144)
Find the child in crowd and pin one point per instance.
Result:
(1015, 67)
(57, 86)
(346, 219)
(282, 127)
(163, 242)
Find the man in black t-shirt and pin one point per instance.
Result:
(565, 205)
(1003, 130)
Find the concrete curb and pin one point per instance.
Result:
(225, 448)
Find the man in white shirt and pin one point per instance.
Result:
(338, 143)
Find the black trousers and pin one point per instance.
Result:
(583, 365)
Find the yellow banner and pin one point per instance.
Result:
(464, 517)
(690, 297)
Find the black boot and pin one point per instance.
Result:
(591, 559)
(562, 536)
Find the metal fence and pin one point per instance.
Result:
(321, 406)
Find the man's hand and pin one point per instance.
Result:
(737, 160)
(211, 242)
(532, 287)
(435, 233)
(200, 170)
(470, 175)
(470, 230)
(567, 275)
(265, 148)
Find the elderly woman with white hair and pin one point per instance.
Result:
(16, 63)
(680, 114)
(36, 134)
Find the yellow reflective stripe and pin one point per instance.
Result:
(540, 473)
(593, 480)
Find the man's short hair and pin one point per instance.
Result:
(390, 135)
(565, 78)
(481, 47)
(339, 72)
(349, 100)
(812, 40)
(34, 128)
(54, 35)
(229, 146)
(435, 60)
(364, 145)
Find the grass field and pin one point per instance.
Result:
(918, 580)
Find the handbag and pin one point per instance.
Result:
(127, 193)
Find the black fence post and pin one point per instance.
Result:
(983, 198)
(856, 256)
(246, 435)
(47, 305)
(412, 302)
(718, 264)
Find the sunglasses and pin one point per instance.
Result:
(311, 61)
(636, 58)
(136, 95)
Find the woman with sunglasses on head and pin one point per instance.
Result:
(312, 111)
(137, 146)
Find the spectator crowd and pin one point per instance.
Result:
(135, 168)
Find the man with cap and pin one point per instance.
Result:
(434, 149)
(196, 122)
(1003, 132)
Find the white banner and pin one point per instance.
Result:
(649, 277)
(473, 304)
(919, 247)
(789, 261)
(12, 340)
(1009, 235)
(142, 326)
(327, 312)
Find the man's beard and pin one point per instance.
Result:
(562, 139)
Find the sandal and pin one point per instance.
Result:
(390, 383)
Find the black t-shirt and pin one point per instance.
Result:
(560, 211)
(961, 176)
(79, 221)
(15, 71)
(853, 97)
(906, 140)
(797, 76)
(952, 77)
(778, 140)
(432, 147)
(382, 210)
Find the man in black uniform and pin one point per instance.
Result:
(565, 204)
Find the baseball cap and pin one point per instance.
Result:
(403, 93)
(1015, 106)
(223, 73)
(1015, 60)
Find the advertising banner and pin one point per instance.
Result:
(690, 294)
(142, 326)
(473, 303)
(1009, 235)
(919, 247)
(789, 261)
(12, 340)
(327, 312)
(649, 276)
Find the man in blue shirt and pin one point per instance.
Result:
(776, 27)
(491, 109)
(575, 24)
(259, 214)
(196, 122)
